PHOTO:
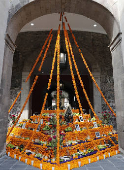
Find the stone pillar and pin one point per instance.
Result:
(4, 94)
(4, 6)
(24, 94)
(118, 74)
(96, 93)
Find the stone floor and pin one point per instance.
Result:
(112, 163)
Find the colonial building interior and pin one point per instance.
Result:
(97, 27)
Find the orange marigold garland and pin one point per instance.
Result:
(39, 56)
(79, 77)
(58, 89)
(72, 74)
(35, 80)
(49, 84)
(45, 52)
(89, 70)
(15, 100)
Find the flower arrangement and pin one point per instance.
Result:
(106, 117)
(12, 118)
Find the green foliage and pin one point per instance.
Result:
(10, 145)
(53, 121)
(38, 155)
(90, 150)
(46, 127)
(101, 147)
(20, 125)
(68, 129)
(93, 119)
(106, 116)
(45, 114)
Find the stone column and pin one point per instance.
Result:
(4, 6)
(4, 94)
(96, 93)
(24, 94)
(118, 74)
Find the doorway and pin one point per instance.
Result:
(41, 89)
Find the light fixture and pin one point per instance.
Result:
(32, 24)
(63, 54)
(95, 25)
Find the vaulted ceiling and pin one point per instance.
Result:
(76, 21)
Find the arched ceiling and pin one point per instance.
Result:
(76, 21)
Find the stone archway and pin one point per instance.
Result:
(90, 9)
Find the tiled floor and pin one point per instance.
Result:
(112, 163)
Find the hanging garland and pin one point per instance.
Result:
(35, 80)
(89, 69)
(45, 53)
(49, 84)
(72, 74)
(79, 77)
(39, 56)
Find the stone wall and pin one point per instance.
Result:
(94, 47)
(121, 20)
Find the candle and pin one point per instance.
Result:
(74, 98)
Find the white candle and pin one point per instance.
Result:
(32, 162)
(79, 163)
(74, 98)
(40, 166)
(68, 166)
(14, 156)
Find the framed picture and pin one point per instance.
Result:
(41, 121)
(95, 124)
(97, 134)
(77, 127)
(23, 126)
(81, 118)
(38, 129)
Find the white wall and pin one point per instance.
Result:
(4, 6)
(121, 20)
